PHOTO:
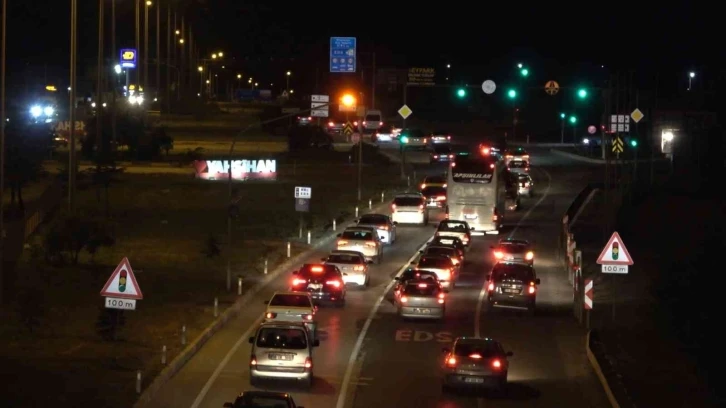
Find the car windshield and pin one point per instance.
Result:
(453, 226)
(260, 401)
(357, 234)
(282, 338)
(433, 191)
(512, 272)
(440, 251)
(345, 259)
(407, 201)
(477, 171)
(375, 219)
(291, 300)
(487, 349)
(523, 178)
(430, 262)
(421, 289)
(442, 150)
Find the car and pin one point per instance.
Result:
(413, 138)
(385, 227)
(441, 154)
(518, 166)
(455, 228)
(512, 285)
(451, 242)
(282, 351)
(435, 197)
(514, 250)
(361, 239)
(254, 399)
(409, 208)
(475, 362)
(421, 300)
(323, 282)
(443, 266)
(413, 274)
(434, 181)
(304, 120)
(526, 185)
(372, 121)
(516, 154)
(385, 134)
(335, 125)
(352, 264)
(440, 136)
(292, 307)
(449, 252)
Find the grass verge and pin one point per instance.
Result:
(162, 224)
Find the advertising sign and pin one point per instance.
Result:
(127, 57)
(242, 169)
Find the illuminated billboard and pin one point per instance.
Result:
(242, 169)
(127, 58)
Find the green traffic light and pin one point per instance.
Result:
(582, 93)
(562, 115)
(461, 93)
(404, 140)
(634, 143)
(512, 94)
(524, 72)
(573, 120)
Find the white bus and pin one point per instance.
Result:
(476, 192)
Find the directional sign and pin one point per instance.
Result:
(615, 253)
(342, 54)
(319, 105)
(637, 115)
(619, 123)
(127, 58)
(122, 283)
(617, 145)
(348, 129)
(588, 294)
(405, 111)
(121, 304)
(488, 87)
(552, 87)
(303, 192)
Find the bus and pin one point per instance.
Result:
(477, 192)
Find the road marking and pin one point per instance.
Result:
(361, 336)
(224, 362)
(482, 292)
(419, 336)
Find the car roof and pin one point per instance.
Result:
(357, 228)
(513, 241)
(447, 237)
(513, 265)
(418, 195)
(372, 215)
(434, 256)
(435, 178)
(344, 252)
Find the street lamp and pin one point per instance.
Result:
(146, 43)
(573, 121)
(562, 131)
(117, 69)
(512, 94)
(691, 75)
(239, 76)
(582, 93)
(287, 79)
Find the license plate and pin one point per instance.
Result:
(433, 205)
(473, 380)
(422, 311)
(315, 286)
(283, 357)
(511, 290)
(509, 257)
(470, 216)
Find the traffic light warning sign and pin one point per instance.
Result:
(122, 283)
(615, 252)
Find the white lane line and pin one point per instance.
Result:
(483, 292)
(361, 336)
(223, 363)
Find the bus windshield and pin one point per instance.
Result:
(473, 171)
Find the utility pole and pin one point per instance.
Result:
(115, 78)
(99, 88)
(373, 83)
(168, 58)
(2, 150)
(157, 84)
(72, 112)
(146, 47)
(182, 43)
(138, 40)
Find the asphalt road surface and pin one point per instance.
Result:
(397, 364)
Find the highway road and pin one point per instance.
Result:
(376, 359)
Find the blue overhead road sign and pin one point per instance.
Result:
(342, 54)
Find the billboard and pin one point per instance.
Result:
(127, 58)
(242, 169)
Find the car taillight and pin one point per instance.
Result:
(495, 217)
(253, 360)
(404, 299)
(423, 186)
(308, 317)
(448, 137)
(497, 364)
(308, 363)
(485, 150)
(371, 244)
(531, 289)
(436, 156)
(498, 255)
(270, 315)
(440, 198)
(393, 207)
(364, 123)
(441, 298)
(420, 208)
(455, 261)
(446, 274)
(422, 285)
(525, 157)
(526, 184)
(331, 124)
(335, 283)
(451, 362)
(529, 256)
(426, 140)
(342, 242)
(298, 281)
(490, 288)
(475, 356)
(526, 169)
(355, 123)
(451, 156)
(310, 118)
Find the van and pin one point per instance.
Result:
(373, 120)
(282, 351)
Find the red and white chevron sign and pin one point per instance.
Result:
(588, 294)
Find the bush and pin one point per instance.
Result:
(70, 235)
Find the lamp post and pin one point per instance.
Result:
(562, 132)
(2, 147)
(146, 44)
(691, 75)
(287, 81)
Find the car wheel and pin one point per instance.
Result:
(309, 382)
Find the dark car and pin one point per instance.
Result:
(475, 362)
(323, 282)
(435, 196)
(441, 154)
(264, 399)
(411, 275)
(384, 134)
(512, 285)
(451, 242)
(307, 137)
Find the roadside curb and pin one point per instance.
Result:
(598, 161)
(610, 391)
(188, 352)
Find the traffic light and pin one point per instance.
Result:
(633, 143)
(461, 92)
(582, 93)
(573, 120)
(524, 72)
(404, 139)
(562, 115)
(512, 94)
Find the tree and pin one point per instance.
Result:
(26, 146)
(72, 234)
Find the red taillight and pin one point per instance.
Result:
(253, 360)
(526, 157)
(485, 150)
(420, 208)
(436, 156)
(451, 362)
(490, 288)
(491, 166)
(441, 298)
(308, 363)
(359, 268)
(404, 299)
(475, 356)
(270, 315)
(370, 244)
(497, 364)
(448, 137)
(298, 281)
(308, 317)
(531, 290)
(355, 123)
(380, 123)
(451, 156)
(364, 123)
(498, 255)
(331, 124)
(335, 283)
(317, 269)
(393, 207)
(446, 274)
(342, 242)
(495, 217)
(423, 186)
(526, 169)
(440, 198)
(426, 140)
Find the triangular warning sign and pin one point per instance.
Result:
(122, 283)
(615, 252)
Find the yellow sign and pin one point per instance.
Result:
(348, 129)
(637, 115)
(405, 111)
(51, 88)
(552, 87)
(617, 145)
(128, 55)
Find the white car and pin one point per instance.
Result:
(413, 138)
(292, 307)
(361, 239)
(353, 265)
(382, 223)
(440, 136)
(409, 209)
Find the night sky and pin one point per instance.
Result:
(672, 37)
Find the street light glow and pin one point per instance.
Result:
(692, 74)
(288, 73)
(148, 3)
(573, 120)
(200, 69)
(668, 136)
(221, 54)
(181, 41)
(117, 68)
(562, 115)
(239, 76)
(348, 100)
